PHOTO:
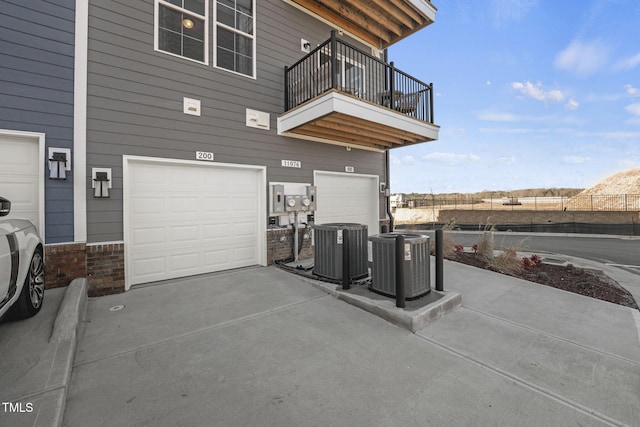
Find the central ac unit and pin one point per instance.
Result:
(417, 266)
(327, 253)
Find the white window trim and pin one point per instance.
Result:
(205, 17)
(226, 27)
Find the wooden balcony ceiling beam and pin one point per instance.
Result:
(392, 133)
(319, 9)
(317, 132)
(377, 22)
(352, 13)
(350, 130)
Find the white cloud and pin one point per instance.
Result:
(631, 90)
(451, 159)
(507, 160)
(575, 160)
(497, 116)
(572, 104)
(408, 160)
(634, 108)
(628, 63)
(536, 91)
(583, 58)
(488, 82)
(511, 10)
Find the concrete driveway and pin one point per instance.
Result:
(261, 347)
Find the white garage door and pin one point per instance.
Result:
(347, 198)
(20, 172)
(186, 218)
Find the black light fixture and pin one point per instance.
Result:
(58, 166)
(101, 184)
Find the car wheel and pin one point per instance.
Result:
(32, 294)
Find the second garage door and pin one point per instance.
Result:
(184, 218)
(346, 197)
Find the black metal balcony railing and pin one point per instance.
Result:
(336, 64)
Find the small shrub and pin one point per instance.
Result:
(459, 248)
(507, 262)
(543, 276)
(474, 248)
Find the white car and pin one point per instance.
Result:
(21, 266)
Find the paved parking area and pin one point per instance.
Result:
(262, 347)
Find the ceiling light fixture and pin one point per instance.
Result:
(187, 23)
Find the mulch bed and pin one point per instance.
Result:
(569, 278)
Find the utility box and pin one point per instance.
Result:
(329, 243)
(416, 264)
(311, 195)
(277, 199)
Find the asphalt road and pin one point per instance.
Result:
(614, 250)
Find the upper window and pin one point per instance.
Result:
(181, 28)
(235, 36)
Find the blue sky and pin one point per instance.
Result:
(528, 94)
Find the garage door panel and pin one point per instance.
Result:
(185, 233)
(347, 198)
(185, 262)
(217, 258)
(148, 236)
(19, 176)
(198, 218)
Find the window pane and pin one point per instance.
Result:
(197, 32)
(225, 39)
(169, 42)
(169, 19)
(244, 65)
(225, 59)
(245, 6)
(193, 49)
(176, 2)
(196, 6)
(244, 45)
(245, 23)
(229, 3)
(225, 15)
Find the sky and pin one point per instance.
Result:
(528, 94)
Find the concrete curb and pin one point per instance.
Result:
(64, 339)
(410, 319)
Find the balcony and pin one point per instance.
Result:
(379, 23)
(339, 94)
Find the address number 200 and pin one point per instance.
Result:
(204, 155)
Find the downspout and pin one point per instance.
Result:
(387, 191)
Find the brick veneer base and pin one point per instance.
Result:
(105, 268)
(280, 244)
(64, 262)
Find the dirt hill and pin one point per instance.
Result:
(617, 192)
(626, 182)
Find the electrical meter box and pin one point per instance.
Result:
(277, 199)
(293, 203)
(311, 196)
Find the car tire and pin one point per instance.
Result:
(32, 295)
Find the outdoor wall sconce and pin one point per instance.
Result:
(59, 163)
(58, 166)
(101, 182)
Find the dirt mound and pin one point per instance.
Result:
(626, 182)
(617, 192)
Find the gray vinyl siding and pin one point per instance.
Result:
(36, 90)
(135, 103)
